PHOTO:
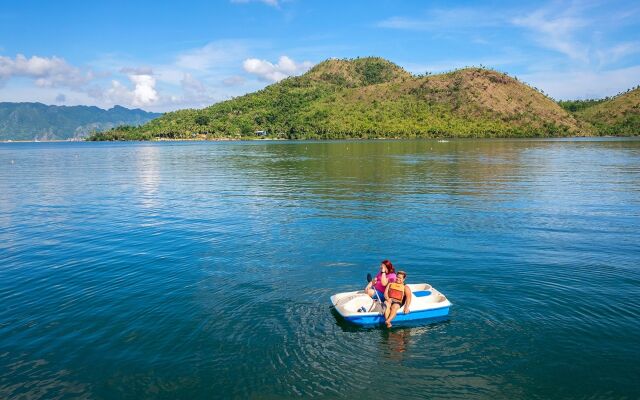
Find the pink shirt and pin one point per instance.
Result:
(379, 286)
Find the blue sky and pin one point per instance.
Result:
(163, 55)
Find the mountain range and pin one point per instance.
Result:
(29, 121)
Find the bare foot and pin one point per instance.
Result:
(388, 324)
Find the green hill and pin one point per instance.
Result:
(28, 121)
(618, 116)
(372, 98)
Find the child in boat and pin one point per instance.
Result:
(396, 294)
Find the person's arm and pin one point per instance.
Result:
(408, 295)
(383, 279)
(386, 293)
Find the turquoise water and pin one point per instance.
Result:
(204, 270)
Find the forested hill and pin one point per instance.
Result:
(28, 121)
(373, 98)
(619, 116)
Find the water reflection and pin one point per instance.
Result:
(396, 342)
(345, 169)
(147, 175)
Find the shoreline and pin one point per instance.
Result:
(248, 139)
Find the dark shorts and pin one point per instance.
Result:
(380, 294)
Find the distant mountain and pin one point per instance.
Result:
(372, 98)
(28, 121)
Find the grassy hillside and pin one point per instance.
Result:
(371, 98)
(28, 121)
(619, 116)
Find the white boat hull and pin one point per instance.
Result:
(360, 309)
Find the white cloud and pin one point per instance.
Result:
(142, 94)
(275, 72)
(144, 91)
(194, 77)
(45, 71)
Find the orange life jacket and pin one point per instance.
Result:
(396, 291)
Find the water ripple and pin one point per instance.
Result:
(172, 270)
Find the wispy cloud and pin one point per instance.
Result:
(550, 40)
(553, 27)
(272, 3)
(556, 30)
(617, 52)
(570, 49)
(441, 19)
(582, 31)
(448, 65)
(585, 83)
(233, 80)
(211, 55)
(192, 85)
(628, 15)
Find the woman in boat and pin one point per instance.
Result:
(375, 289)
(397, 295)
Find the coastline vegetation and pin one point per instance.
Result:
(374, 98)
(615, 116)
(579, 105)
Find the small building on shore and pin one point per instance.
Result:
(261, 133)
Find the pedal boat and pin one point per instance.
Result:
(360, 309)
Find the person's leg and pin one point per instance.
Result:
(387, 309)
(375, 295)
(368, 289)
(392, 314)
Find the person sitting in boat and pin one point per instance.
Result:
(375, 289)
(397, 294)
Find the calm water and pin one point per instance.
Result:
(204, 270)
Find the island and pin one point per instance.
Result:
(373, 98)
